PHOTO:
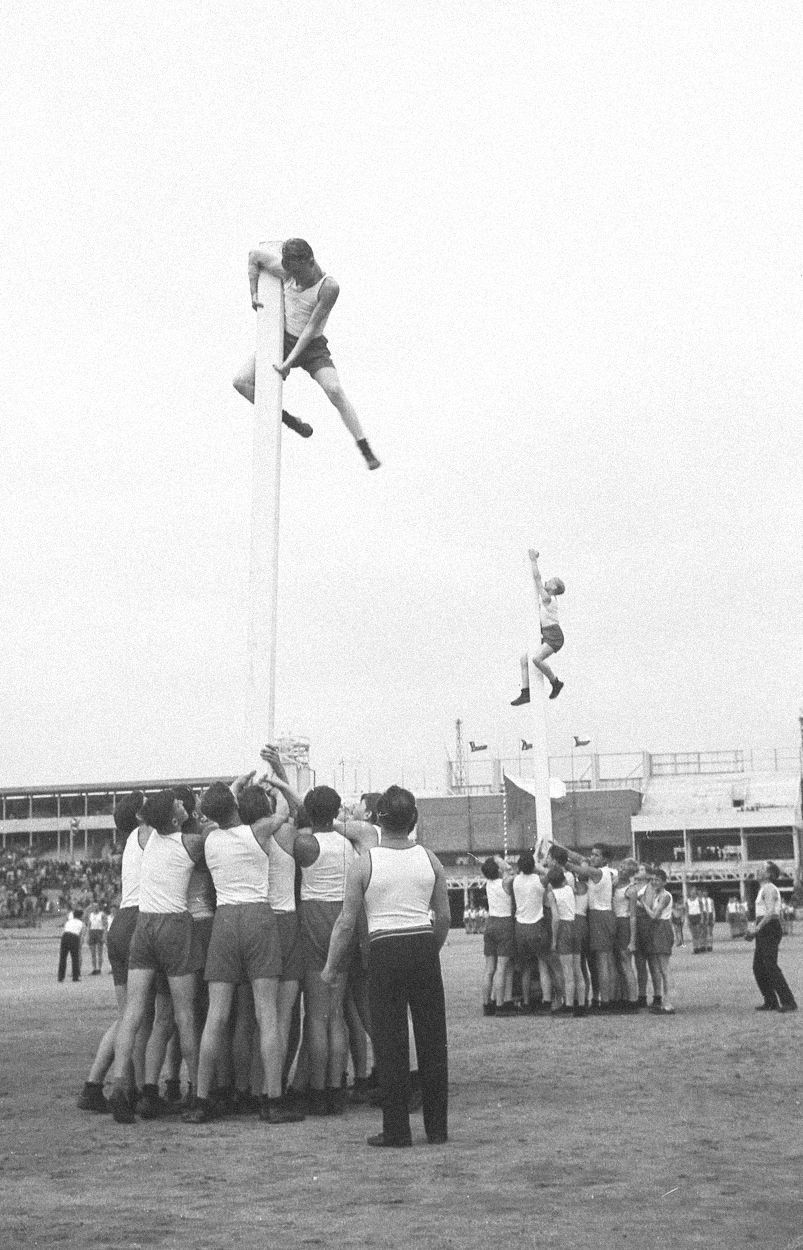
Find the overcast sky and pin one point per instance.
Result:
(567, 237)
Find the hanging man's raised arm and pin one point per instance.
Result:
(262, 257)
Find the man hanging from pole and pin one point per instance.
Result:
(551, 633)
(309, 296)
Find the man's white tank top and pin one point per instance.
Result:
(399, 892)
(528, 892)
(131, 870)
(548, 612)
(201, 893)
(600, 892)
(693, 906)
(298, 305)
(238, 865)
(499, 901)
(768, 899)
(581, 904)
(282, 878)
(621, 902)
(166, 871)
(564, 902)
(325, 880)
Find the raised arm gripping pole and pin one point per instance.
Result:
(264, 575)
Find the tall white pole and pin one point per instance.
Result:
(264, 577)
(538, 705)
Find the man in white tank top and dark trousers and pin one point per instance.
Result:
(400, 883)
(162, 941)
(309, 297)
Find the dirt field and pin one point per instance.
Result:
(645, 1132)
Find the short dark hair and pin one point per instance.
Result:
(126, 811)
(604, 850)
(158, 810)
(255, 804)
(78, 913)
(659, 872)
(322, 804)
(559, 854)
(371, 800)
(773, 871)
(396, 810)
(556, 877)
(218, 803)
(297, 249)
(490, 869)
(527, 863)
(188, 798)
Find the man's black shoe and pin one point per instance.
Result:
(557, 686)
(293, 423)
(524, 697)
(379, 1139)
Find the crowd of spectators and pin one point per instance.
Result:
(33, 886)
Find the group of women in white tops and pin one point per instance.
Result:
(583, 936)
(227, 911)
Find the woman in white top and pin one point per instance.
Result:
(662, 937)
(499, 943)
(767, 932)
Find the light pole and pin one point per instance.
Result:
(576, 742)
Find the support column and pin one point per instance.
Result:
(264, 573)
(538, 718)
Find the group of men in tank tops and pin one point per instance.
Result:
(232, 907)
(596, 934)
(592, 934)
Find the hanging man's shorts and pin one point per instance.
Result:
(552, 635)
(315, 355)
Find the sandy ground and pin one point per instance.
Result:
(615, 1131)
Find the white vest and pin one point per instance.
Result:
(499, 901)
(528, 892)
(400, 890)
(238, 865)
(325, 880)
(600, 893)
(166, 870)
(282, 879)
(131, 869)
(299, 305)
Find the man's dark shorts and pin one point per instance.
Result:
(315, 355)
(164, 943)
(552, 635)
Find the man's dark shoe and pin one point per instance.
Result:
(201, 1113)
(274, 1111)
(173, 1090)
(317, 1102)
(150, 1106)
(767, 1007)
(293, 423)
(120, 1105)
(92, 1098)
(337, 1099)
(367, 454)
(437, 1139)
(788, 1007)
(489, 1009)
(379, 1139)
(524, 697)
(557, 686)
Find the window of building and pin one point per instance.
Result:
(72, 804)
(45, 806)
(100, 804)
(17, 807)
(770, 844)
